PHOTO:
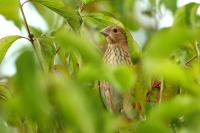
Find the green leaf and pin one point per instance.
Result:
(30, 88)
(172, 72)
(130, 22)
(186, 16)
(3, 127)
(170, 4)
(90, 1)
(178, 107)
(73, 62)
(87, 1)
(49, 16)
(135, 50)
(166, 68)
(72, 3)
(10, 10)
(105, 19)
(87, 50)
(67, 12)
(165, 113)
(5, 43)
(46, 51)
(68, 98)
(164, 42)
(90, 73)
(124, 78)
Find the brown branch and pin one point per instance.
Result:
(57, 50)
(30, 36)
(25, 3)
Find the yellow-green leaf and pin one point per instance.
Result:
(105, 19)
(5, 43)
(62, 9)
(10, 10)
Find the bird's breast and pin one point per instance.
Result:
(117, 55)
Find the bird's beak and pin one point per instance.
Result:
(105, 32)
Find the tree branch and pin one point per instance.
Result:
(30, 36)
(25, 3)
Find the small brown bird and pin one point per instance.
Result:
(116, 53)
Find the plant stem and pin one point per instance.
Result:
(195, 56)
(25, 3)
(161, 89)
(197, 49)
(190, 60)
(30, 35)
(26, 25)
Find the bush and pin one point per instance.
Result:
(54, 91)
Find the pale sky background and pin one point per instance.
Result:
(8, 28)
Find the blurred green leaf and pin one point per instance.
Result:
(91, 71)
(105, 19)
(164, 42)
(87, 1)
(63, 98)
(170, 89)
(135, 50)
(31, 90)
(124, 78)
(5, 43)
(87, 50)
(64, 10)
(166, 112)
(130, 22)
(152, 128)
(48, 15)
(35, 31)
(123, 11)
(186, 16)
(170, 4)
(10, 10)
(4, 128)
(73, 3)
(73, 61)
(78, 107)
(166, 68)
(171, 72)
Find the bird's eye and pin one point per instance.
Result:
(115, 30)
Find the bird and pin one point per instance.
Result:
(116, 53)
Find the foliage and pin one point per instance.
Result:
(54, 88)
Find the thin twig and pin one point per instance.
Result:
(26, 38)
(25, 3)
(26, 25)
(57, 50)
(82, 6)
(195, 56)
(30, 35)
(190, 60)
(161, 89)
(197, 49)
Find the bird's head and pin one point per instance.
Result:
(115, 35)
